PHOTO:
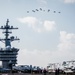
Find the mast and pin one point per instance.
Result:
(7, 40)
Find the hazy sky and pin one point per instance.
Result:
(45, 37)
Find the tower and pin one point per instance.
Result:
(8, 55)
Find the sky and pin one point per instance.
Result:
(45, 37)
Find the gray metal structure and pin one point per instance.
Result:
(8, 55)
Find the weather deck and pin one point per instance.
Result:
(34, 74)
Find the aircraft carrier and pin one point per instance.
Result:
(8, 56)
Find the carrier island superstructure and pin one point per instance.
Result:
(8, 54)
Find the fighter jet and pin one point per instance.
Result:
(48, 10)
(54, 11)
(59, 12)
(41, 9)
(37, 10)
(44, 10)
(33, 11)
(27, 11)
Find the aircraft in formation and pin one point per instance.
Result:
(40, 9)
